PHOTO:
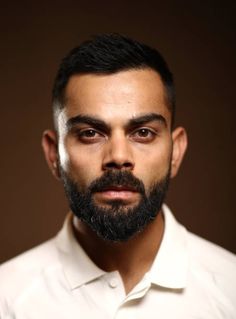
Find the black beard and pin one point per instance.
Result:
(117, 222)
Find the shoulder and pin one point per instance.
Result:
(214, 267)
(215, 258)
(210, 270)
(205, 257)
(21, 272)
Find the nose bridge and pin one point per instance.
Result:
(118, 152)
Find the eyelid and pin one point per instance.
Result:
(150, 137)
(82, 130)
(79, 129)
(150, 129)
(132, 133)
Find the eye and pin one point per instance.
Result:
(89, 135)
(144, 135)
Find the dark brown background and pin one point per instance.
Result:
(198, 40)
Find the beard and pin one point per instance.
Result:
(116, 221)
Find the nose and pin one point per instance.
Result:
(118, 154)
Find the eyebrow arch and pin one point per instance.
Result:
(85, 119)
(100, 124)
(150, 117)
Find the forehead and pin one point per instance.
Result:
(118, 96)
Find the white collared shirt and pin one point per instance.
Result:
(190, 278)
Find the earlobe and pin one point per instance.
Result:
(179, 139)
(50, 148)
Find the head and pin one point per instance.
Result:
(114, 146)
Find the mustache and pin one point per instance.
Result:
(117, 178)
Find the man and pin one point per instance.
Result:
(121, 253)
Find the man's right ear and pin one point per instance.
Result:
(50, 148)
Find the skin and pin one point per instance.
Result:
(119, 121)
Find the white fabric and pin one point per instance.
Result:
(190, 278)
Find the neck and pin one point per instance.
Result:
(132, 258)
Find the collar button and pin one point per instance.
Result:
(113, 283)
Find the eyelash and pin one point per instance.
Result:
(145, 130)
(87, 131)
(83, 135)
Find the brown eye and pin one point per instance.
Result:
(88, 133)
(89, 136)
(143, 135)
(143, 132)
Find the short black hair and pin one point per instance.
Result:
(107, 54)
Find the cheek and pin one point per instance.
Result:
(79, 165)
(153, 165)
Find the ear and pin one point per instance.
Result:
(50, 148)
(180, 142)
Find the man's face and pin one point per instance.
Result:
(115, 126)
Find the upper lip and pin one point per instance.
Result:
(119, 188)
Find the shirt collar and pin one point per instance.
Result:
(170, 266)
(78, 267)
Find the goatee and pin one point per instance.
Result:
(117, 222)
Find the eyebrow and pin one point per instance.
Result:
(86, 119)
(150, 117)
(102, 125)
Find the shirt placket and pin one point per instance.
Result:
(125, 309)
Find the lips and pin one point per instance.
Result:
(121, 192)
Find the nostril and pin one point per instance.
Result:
(127, 165)
(111, 165)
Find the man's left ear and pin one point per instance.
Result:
(180, 142)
